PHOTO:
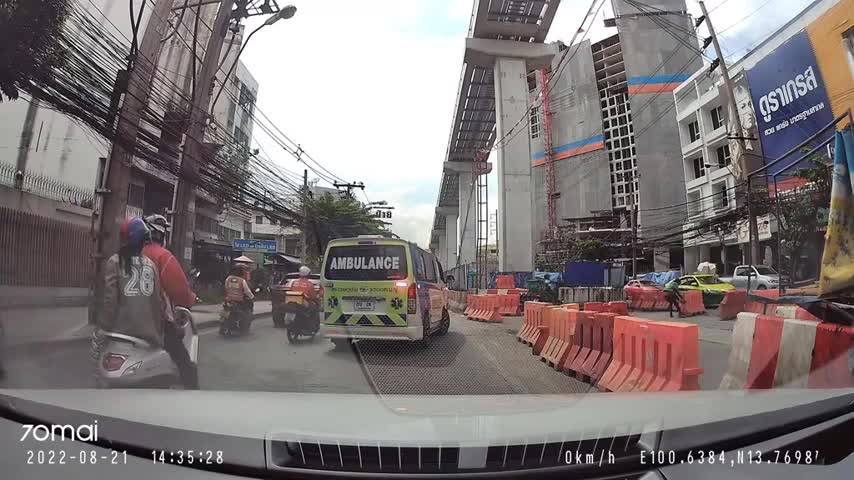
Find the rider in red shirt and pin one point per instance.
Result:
(304, 285)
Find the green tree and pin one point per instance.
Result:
(799, 212)
(29, 46)
(329, 217)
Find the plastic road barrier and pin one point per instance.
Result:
(732, 304)
(794, 311)
(692, 303)
(505, 281)
(484, 308)
(576, 343)
(510, 304)
(565, 329)
(600, 350)
(594, 307)
(571, 306)
(584, 328)
(652, 356)
(770, 351)
(620, 308)
(533, 319)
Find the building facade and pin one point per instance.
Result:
(815, 50)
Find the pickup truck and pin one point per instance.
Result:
(761, 278)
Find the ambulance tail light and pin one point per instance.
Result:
(411, 304)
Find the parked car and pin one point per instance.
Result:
(635, 288)
(712, 287)
(277, 295)
(761, 278)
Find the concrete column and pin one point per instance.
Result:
(516, 234)
(442, 250)
(468, 214)
(451, 239)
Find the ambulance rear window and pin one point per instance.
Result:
(366, 262)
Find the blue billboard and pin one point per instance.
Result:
(248, 245)
(789, 98)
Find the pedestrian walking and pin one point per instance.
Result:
(673, 297)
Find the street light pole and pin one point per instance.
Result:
(282, 14)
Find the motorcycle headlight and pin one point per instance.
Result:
(132, 369)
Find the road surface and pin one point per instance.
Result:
(473, 358)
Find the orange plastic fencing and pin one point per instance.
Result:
(585, 330)
(571, 306)
(492, 291)
(650, 300)
(620, 308)
(471, 304)
(486, 308)
(759, 307)
(653, 356)
(692, 303)
(732, 304)
(505, 281)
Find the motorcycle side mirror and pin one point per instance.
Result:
(182, 316)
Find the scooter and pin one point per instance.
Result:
(123, 361)
(235, 319)
(301, 318)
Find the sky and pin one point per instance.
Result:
(368, 88)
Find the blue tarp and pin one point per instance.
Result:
(661, 278)
(553, 279)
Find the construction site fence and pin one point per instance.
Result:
(42, 252)
(48, 187)
(590, 294)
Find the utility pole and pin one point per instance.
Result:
(304, 201)
(634, 222)
(736, 119)
(113, 184)
(349, 187)
(185, 198)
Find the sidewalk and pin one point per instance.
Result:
(26, 327)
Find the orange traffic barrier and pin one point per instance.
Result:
(533, 319)
(550, 320)
(471, 302)
(794, 311)
(760, 307)
(517, 291)
(829, 366)
(600, 355)
(653, 356)
(732, 303)
(620, 308)
(661, 302)
(505, 281)
(571, 306)
(486, 309)
(584, 329)
(650, 300)
(692, 303)
(575, 344)
(594, 307)
(510, 304)
(564, 330)
(492, 291)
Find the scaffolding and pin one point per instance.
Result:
(479, 171)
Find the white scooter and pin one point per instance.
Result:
(124, 361)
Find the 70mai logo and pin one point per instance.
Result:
(45, 433)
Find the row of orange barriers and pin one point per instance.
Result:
(656, 300)
(505, 281)
(484, 308)
(738, 301)
(615, 352)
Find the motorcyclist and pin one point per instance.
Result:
(178, 293)
(133, 303)
(237, 289)
(304, 285)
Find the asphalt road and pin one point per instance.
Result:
(473, 358)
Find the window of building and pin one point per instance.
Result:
(717, 114)
(693, 131)
(532, 82)
(535, 123)
(699, 167)
(136, 195)
(724, 157)
(241, 137)
(259, 220)
(721, 195)
(230, 121)
(693, 203)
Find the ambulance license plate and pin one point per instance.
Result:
(363, 305)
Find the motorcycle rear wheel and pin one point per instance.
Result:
(293, 335)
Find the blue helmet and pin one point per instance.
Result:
(134, 233)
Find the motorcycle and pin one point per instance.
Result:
(301, 317)
(124, 361)
(235, 319)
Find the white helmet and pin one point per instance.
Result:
(304, 271)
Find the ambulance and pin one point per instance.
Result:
(382, 289)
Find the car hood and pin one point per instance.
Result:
(473, 420)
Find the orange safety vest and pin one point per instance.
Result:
(234, 289)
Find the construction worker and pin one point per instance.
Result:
(673, 297)
(179, 294)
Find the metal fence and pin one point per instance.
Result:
(48, 187)
(43, 252)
